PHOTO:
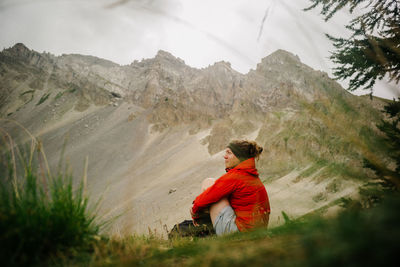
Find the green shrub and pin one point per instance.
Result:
(40, 215)
(59, 95)
(43, 98)
(355, 238)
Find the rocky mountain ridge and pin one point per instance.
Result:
(155, 128)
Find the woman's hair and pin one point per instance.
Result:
(244, 149)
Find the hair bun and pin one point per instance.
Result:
(244, 149)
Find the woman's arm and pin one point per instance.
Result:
(222, 187)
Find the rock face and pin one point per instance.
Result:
(159, 124)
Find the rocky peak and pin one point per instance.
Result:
(164, 56)
(20, 47)
(221, 68)
(281, 55)
(20, 53)
(162, 60)
(18, 50)
(280, 61)
(222, 64)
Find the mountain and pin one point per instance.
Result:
(154, 129)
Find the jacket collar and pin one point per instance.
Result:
(247, 166)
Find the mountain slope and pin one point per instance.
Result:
(152, 130)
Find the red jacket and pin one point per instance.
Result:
(245, 192)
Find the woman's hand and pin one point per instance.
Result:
(194, 217)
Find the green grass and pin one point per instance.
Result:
(72, 88)
(355, 237)
(27, 92)
(279, 114)
(43, 98)
(343, 170)
(41, 215)
(59, 95)
(320, 163)
(344, 105)
(321, 107)
(31, 92)
(375, 142)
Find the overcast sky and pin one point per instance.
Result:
(201, 32)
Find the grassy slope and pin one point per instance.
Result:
(354, 238)
(336, 132)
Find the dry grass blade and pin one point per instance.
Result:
(14, 165)
(33, 139)
(85, 176)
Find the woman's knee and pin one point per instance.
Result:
(207, 183)
(217, 207)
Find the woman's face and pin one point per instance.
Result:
(230, 159)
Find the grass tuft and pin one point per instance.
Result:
(59, 95)
(41, 215)
(43, 98)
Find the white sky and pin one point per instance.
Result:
(201, 32)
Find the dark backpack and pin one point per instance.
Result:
(187, 228)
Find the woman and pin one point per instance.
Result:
(237, 201)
